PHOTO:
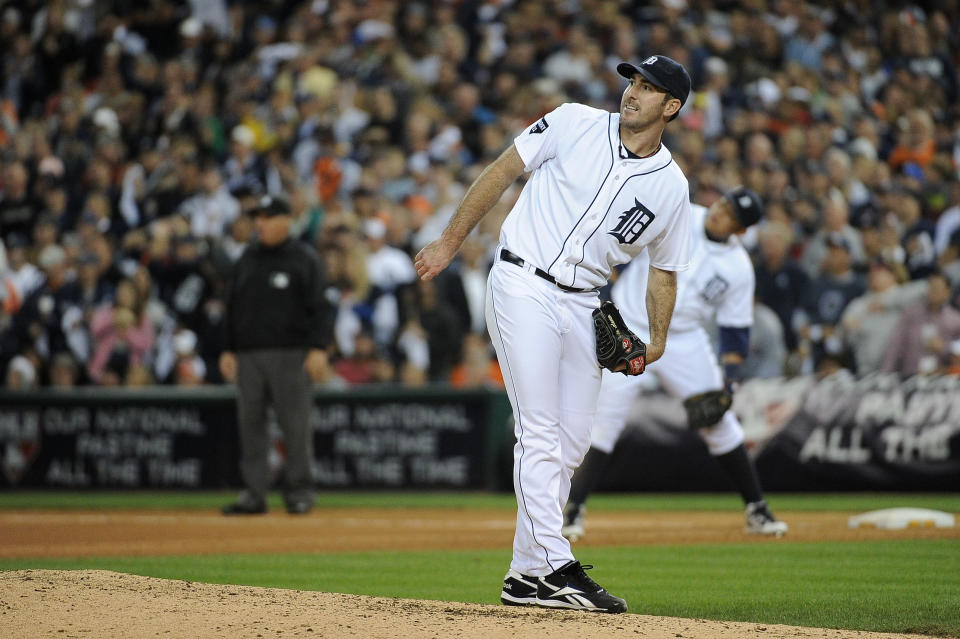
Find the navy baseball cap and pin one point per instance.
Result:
(746, 205)
(17, 240)
(664, 73)
(271, 205)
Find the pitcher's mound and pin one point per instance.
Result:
(52, 603)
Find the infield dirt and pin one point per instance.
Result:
(44, 603)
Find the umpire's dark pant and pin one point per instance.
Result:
(275, 377)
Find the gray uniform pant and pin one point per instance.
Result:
(275, 377)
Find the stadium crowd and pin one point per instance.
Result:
(135, 137)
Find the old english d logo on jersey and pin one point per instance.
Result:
(633, 223)
(540, 126)
(714, 288)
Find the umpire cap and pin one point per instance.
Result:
(271, 205)
(664, 73)
(746, 205)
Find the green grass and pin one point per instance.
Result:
(808, 502)
(892, 586)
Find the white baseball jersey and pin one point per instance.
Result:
(719, 282)
(584, 210)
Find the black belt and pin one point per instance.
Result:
(507, 256)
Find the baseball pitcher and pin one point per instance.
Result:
(602, 189)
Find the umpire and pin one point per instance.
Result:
(278, 325)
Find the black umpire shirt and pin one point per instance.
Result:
(276, 299)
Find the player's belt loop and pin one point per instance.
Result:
(508, 256)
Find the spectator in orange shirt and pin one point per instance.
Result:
(477, 368)
(954, 366)
(915, 142)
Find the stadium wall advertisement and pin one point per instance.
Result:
(871, 434)
(836, 434)
(187, 438)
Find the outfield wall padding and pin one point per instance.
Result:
(835, 434)
(176, 438)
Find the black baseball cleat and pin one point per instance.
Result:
(573, 526)
(570, 587)
(299, 507)
(245, 507)
(760, 521)
(518, 589)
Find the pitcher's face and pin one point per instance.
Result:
(642, 104)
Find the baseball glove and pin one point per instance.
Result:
(706, 409)
(617, 344)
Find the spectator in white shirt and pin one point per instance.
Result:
(211, 211)
(25, 275)
(388, 268)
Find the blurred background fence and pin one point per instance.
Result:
(840, 433)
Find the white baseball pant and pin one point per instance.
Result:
(688, 366)
(545, 345)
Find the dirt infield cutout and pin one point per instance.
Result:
(102, 533)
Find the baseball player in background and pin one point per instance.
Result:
(720, 284)
(602, 188)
